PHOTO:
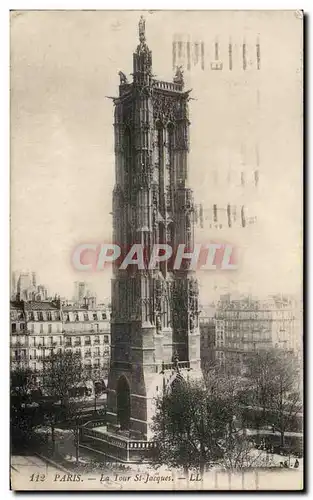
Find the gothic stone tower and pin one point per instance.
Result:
(154, 324)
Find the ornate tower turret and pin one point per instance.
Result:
(142, 58)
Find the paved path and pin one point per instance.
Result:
(29, 472)
(29, 464)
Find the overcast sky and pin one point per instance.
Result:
(64, 64)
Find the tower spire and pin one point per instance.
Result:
(142, 59)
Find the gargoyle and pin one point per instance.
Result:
(123, 78)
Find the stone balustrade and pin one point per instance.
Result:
(176, 87)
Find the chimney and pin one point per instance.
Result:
(59, 303)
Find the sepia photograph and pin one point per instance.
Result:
(156, 250)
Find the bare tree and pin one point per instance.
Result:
(196, 423)
(24, 417)
(228, 392)
(96, 376)
(21, 384)
(63, 379)
(179, 426)
(276, 388)
(239, 451)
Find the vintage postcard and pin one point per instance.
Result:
(156, 250)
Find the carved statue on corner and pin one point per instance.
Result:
(158, 323)
(175, 361)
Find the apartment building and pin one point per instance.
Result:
(19, 336)
(287, 331)
(207, 325)
(86, 331)
(246, 325)
(44, 327)
(44, 331)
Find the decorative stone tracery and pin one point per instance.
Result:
(154, 312)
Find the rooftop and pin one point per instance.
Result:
(16, 305)
(40, 306)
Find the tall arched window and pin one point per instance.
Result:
(169, 180)
(128, 155)
(160, 156)
(243, 218)
(229, 215)
(123, 403)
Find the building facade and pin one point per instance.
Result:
(39, 328)
(87, 332)
(246, 325)
(19, 336)
(207, 323)
(287, 323)
(44, 329)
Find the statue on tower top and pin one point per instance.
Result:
(142, 49)
(142, 30)
(179, 75)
